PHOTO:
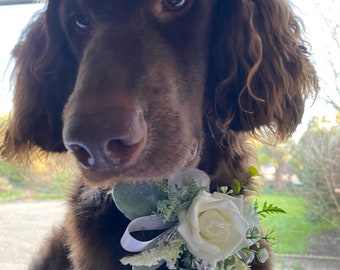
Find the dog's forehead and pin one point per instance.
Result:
(113, 8)
(118, 10)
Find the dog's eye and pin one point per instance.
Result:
(81, 23)
(175, 4)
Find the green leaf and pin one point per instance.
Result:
(253, 171)
(236, 186)
(270, 237)
(137, 200)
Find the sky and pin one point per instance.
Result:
(322, 43)
(14, 18)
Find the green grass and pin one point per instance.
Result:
(9, 196)
(20, 195)
(293, 229)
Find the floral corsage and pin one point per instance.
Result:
(191, 228)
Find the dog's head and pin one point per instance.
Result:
(126, 85)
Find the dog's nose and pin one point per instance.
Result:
(106, 140)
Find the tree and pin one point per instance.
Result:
(319, 152)
(279, 156)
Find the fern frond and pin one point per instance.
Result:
(269, 209)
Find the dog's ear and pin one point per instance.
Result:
(42, 79)
(261, 71)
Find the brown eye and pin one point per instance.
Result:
(81, 23)
(175, 4)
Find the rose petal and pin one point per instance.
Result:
(213, 226)
(238, 201)
(250, 213)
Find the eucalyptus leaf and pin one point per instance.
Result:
(200, 178)
(134, 267)
(253, 171)
(137, 200)
(236, 186)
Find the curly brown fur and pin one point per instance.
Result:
(138, 91)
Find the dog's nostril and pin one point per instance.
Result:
(115, 146)
(83, 156)
(117, 149)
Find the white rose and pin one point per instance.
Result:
(213, 226)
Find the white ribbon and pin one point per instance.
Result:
(155, 222)
(146, 223)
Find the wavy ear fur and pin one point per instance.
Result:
(261, 67)
(43, 74)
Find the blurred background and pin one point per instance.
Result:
(301, 175)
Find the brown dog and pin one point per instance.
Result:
(141, 89)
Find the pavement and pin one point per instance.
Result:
(23, 227)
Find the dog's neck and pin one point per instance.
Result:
(224, 160)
